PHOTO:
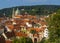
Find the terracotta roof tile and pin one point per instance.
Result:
(10, 27)
(20, 34)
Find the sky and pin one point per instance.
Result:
(13, 3)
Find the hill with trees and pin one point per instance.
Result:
(33, 10)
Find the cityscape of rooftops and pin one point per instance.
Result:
(29, 21)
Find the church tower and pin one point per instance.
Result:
(17, 12)
(13, 13)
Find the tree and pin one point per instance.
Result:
(44, 41)
(54, 28)
(33, 31)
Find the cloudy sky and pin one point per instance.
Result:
(12, 3)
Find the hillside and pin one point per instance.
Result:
(38, 9)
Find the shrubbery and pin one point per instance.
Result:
(22, 40)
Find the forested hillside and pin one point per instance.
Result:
(33, 10)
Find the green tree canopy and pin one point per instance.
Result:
(54, 28)
(23, 40)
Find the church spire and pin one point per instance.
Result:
(13, 13)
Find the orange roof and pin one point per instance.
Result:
(18, 16)
(26, 20)
(33, 16)
(8, 22)
(8, 41)
(10, 27)
(38, 29)
(17, 27)
(20, 34)
(43, 23)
